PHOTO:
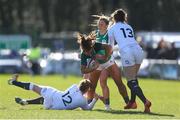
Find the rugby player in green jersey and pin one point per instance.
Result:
(101, 53)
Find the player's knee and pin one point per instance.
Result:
(118, 81)
(130, 76)
(103, 87)
(103, 84)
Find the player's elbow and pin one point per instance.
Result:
(110, 49)
(83, 71)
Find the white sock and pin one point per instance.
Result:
(31, 86)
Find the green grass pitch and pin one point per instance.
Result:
(164, 94)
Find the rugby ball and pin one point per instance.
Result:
(91, 63)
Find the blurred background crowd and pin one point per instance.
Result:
(39, 36)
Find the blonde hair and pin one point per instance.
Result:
(99, 18)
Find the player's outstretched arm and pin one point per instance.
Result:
(91, 104)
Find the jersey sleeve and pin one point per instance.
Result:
(83, 59)
(111, 39)
(90, 105)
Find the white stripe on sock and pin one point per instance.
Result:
(31, 86)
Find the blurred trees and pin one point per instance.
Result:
(35, 16)
(157, 15)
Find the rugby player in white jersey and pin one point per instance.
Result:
(52, 98)
(131, 56)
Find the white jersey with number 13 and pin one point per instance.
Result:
(122, 33)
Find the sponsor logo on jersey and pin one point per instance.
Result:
(127, 62)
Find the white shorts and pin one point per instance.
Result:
(131, 55)
(52, 98)
(106, 64)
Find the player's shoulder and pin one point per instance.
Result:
(126, 25)
(111, 27)
(114, 27)
(72, 87)
(97, 45)
(83, 55)
(97, 42)
(96, 31)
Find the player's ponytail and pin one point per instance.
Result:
(119, 15)
(85, 42)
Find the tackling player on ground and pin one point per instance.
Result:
(52, 98)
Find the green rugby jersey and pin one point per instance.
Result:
(102, 39)
(96, 49)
